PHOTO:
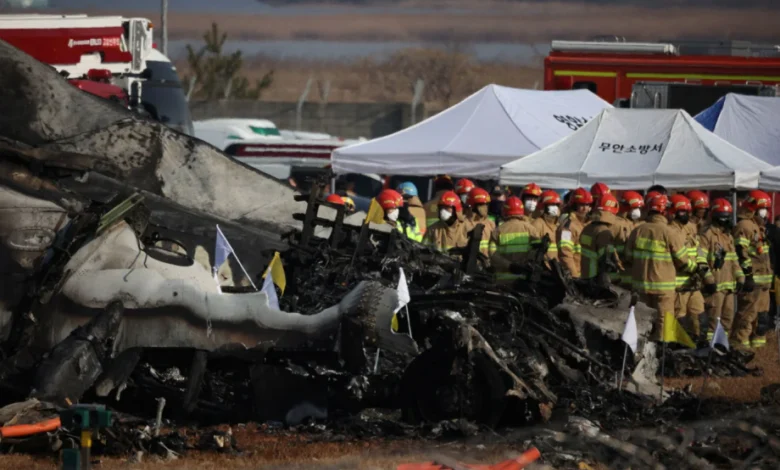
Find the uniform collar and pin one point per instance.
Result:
(658, 219)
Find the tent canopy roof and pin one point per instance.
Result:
(636, 148)
(751, 123)
(476, 136)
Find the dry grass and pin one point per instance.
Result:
(496, 21)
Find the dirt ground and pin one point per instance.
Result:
(263, 450)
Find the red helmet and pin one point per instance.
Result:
(478, 196)
(335, 199)
(464, 186)
(550, 198)
(721, 205)
(532, 190)
(513, 206)
(599, 189)
(757, 200)
(632, 200)
(450, 199)
(581, 196)
(608, 203)
(390, 199)
(650, 195)
(680, 203)
(657, 202)
(699, 200)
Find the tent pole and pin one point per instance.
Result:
(734, 205)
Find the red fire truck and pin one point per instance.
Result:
(613, 69)
(109, 56)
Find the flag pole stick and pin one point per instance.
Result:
(663, 373)
(623, 369)
(706, 376)
(236, 258)
(408, 320)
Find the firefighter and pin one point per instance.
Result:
(441, 185)
(701, 206)
(451, 229)
(725, 276)
(462, 188)
(752, 319)
(655, 250)
(547, 222)
(479, 201)
(530, 196)
(568, 233)
(496, 207)
(412, 200)
(598, 190)
(397, 216)
(599, 238)
(630, 217)
(689, 301)
(510, 243)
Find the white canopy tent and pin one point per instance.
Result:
(770, 180)
(752, 123)
(475, 137)
(636, 148)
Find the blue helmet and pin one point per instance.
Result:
(407, 188)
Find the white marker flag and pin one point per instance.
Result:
(403, 291)
(270, 291)
(720, 336)
(630, 335)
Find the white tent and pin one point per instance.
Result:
(770, 180)
(475, 137)
(752, 123)
(636, 148)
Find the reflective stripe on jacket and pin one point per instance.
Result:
(545, 226)
(417, 210)
(569, 248)
(750, 235)
(598, 242)
(690, 235)
(655, 251)
(712, 239)
(444, 237)
(510, 243)
(489, 227)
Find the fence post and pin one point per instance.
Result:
(299, 107)
(419, 87)
(193, 81)
(324, 88)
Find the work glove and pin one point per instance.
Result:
(709, 289)
(750, 284)
(740, 286)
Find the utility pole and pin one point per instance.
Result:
(164, 26)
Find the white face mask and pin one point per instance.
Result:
(554, 211)
(635, 214)
(445, 214)
(530, 205)
(392, 215)
(762, 213)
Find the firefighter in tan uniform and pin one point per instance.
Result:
(725, 276)
(753, 252)
(629, 217)
(689, 302)
(547, 222)
(441, 185)
(701, 207)
(598, 190)
(656, 251)
(511, 242)
(599, 238)
(451, 229)
(479, 201)
(569, 230)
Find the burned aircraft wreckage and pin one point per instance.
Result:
(108, 227)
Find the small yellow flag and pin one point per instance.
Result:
(375, 213)
(277, 272)
(675, 333)
(394, 323)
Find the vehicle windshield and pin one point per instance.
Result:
(163, 97)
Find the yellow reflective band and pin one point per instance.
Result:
(742, 241)
(516, 238)
(728, 285)
(649, 255)
(762, 278)
(697, 76)
(647, 244)
(651, 285)
(583, 73)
